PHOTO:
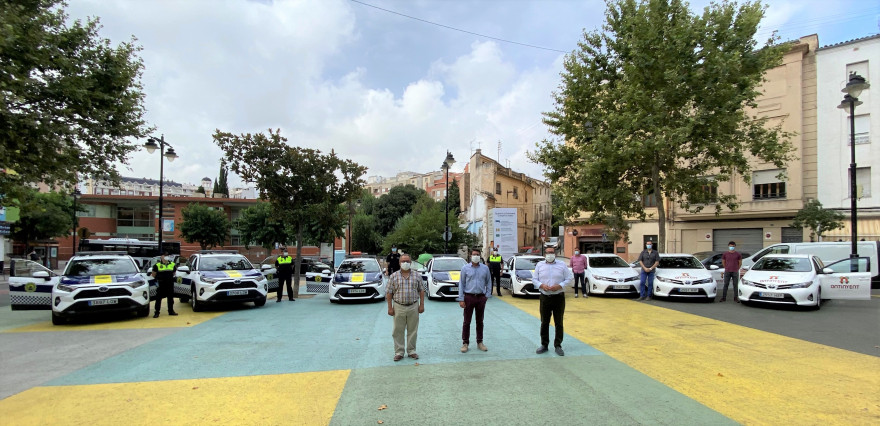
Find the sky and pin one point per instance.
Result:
(390, 92)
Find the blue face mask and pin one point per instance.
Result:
(648, 246)
(731, 248)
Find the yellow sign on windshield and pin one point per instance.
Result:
(233, 274)
(103, 279)
(454, 275)
(357, 277)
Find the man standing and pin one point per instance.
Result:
(163, 272)
(495, 262)
(551, 278)
(474, 288)
(579, 267)
(732, 261)
(404, 291)
(648, 260)
(284, 272)
(392, 262)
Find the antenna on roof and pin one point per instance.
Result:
(499, 150)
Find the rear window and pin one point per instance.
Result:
(683, 262)
(784, 264)
(358, 266)
(92, 267)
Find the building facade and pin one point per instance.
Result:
(139, 187)
(434, 183)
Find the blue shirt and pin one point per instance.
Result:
(474, 279)
(552, 274)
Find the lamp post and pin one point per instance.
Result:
(447, 235)
(76, 194)
(853, 89)
(151, 146)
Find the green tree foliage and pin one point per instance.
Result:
(365, 236)
(221, 184)
(299, 183)
(817, 219)
(257, 225)
(70, 102)
(656, 102)
(326, 226)
(204, 225)
(393, 205)
(42, 216)
(200, 190)
(422, 230)
(454, 198)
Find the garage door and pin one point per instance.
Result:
(748, 240)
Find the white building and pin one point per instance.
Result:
(139, 186)
(834, 65)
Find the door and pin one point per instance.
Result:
(505, 274)
(317, 276)
(183, 281)
(843, 283)
(27, 291)
(146, 273)
(747, 240)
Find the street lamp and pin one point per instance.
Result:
(447, 163)
(76, 194)
(853, 89)
(151, 146)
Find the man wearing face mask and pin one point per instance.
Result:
(648, 260)
(404, 291)
(579, 268)
(392, 262)
(495, 261)
(284, 271)
(551, 278)
(163, 272)
(732, 261)
(474, 289)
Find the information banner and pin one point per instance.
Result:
(504, 230)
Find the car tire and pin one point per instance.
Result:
(818, 300)
(196, 305)
(58, 319)
(260, 302)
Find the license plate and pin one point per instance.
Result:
(620, 287)
(357, 290)
(103, 302)
(453, 288)
(773, 295)
(237, 293)
(689, 290)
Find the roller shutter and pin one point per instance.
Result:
(748, 240)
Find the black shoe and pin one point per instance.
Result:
(293, 300)
(156, 315)
(559, 351)
(277, 300)
(172, 313)
(541, 350)
(499, 295)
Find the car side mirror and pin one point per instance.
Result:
(824, 271)
(714, 267)
(422, 270)
(41, 274)
(266, 267)
(183, 269)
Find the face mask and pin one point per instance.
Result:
(475, 259)
(648, 246)
(394, 250)
(495, 253)
(732, 248)
(285, 253)
(405, 266)
(576, 252)
(550, 257)
(165, 259)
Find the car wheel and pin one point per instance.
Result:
(57, 319)
(196, 305)
(260, 302)
(818, 300)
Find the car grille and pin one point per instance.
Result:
(92, 294)
(631, 279)
(759, 285)
(233, 286)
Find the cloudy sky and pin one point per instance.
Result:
(390, 92)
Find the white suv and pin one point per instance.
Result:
(358, 278)
(441, 276)
(99, 282)
(220, 276)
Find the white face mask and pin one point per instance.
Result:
(648, 246)
(550, 257)
(475, 259)
(405, 266)
(732, 248)
(285, 253)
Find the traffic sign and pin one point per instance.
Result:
(447, 236)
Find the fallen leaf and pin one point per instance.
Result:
(382, 407)
(187, 323)
(195, 387)
(380, 422)
(720, 375)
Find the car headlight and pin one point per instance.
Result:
(64, 287)
(802, 285)
(207, 280)
(704, 281)
(748, 283)
(136, 284)
(599, 277)
(663, 280)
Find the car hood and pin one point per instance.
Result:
(622, 272)
(100, 279)
(684, 274)
(357, 277)
(250, 273)
(452, 276)
(778, 277)
(525, 274)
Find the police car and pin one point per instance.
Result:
(30, 285)
(609, 274)
(212, 276)
(100, 282)
(517, 275)
(803, 280)
(683, 276)
(358, 278)
(441, 276)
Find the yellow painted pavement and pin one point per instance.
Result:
(185, 318)
(751, 376)
(290, 399)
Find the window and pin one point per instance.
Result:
(515, 192)
(767, 185)
(649, 200)
(709, 193)
(498, 188)
(863, 127)
(863, 182)
(90, 210)
(133, 216)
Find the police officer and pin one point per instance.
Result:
(284, 270)
(163, 272)
(392, 262)
(495, 262)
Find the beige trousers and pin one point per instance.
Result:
(406, 318)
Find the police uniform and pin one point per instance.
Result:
(495, 262)
(284, 270)
(393, 262)
(164, 273)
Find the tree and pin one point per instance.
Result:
(72, 103)
(656, 103)
(221, 185)
(200, 190)
(202, 224)
(817, 219)
(42, 216)
(422, 230)
(365, 236)
(297, 182)
(394, 205)
(257, 225)
(454, 198)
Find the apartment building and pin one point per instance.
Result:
(434, 183)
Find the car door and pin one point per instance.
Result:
(427, 273)
(146, 273)
(505, 273)
(842, 283)
(317, 277)
(271, 274)
(27, 291)
(183, 280)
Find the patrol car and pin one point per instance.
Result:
(517, 275)
(441, 275)
(147, 271)
(803, 280)
(315, 273)
(358, 278)
(100, 282)
(682, 275)
(212, 276)
(30, 285)
(609, 274)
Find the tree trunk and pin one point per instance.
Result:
(298, 260)
(661, 209)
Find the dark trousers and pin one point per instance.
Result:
(165, 291)
(580, 282)
(496, 279)
(285, 279)
(471, 304)
(552, 305)
(731, 276)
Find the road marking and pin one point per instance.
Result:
(749, 375)
(303, 398)
(186, 318)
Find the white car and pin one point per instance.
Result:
(30, 285)
(683, 276)
(358, 278)
(803, 280)
(441, 275)
(517, 275)
(220, 276)
(609, 274)
(99, 282)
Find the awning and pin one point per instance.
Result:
(474, 227)
(869, 229)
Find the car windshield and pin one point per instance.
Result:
(526, 263)
(783, 264)
(91, 267)
(224, 263)
(607, 262)
(448, 264)
(357, 266)
(680, 262)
